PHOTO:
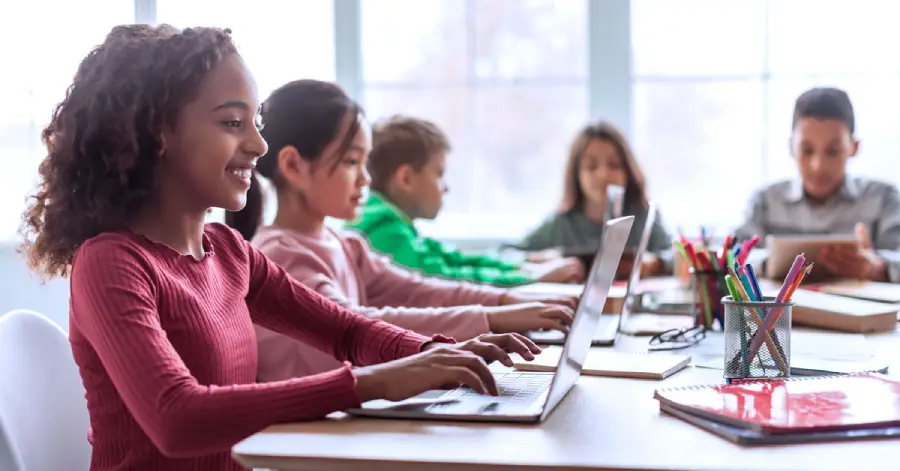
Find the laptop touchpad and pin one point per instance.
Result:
(470, 406)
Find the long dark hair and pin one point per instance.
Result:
(305, 114)
(573, 195)
(103, 141)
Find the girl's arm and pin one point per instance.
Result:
(401, 298)
(280, 303)
(114, 308)
(460, 322)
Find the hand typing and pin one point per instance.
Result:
(529, 316)
(442, 366)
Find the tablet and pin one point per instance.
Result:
(783, 249)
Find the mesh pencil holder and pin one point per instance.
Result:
(752, 356)
(708, 287)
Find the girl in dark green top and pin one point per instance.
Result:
(600, 156)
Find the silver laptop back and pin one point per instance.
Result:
(635, 277)
(587, 317)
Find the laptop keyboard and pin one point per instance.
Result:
(519, 387)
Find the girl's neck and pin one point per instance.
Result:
(595, 211)
(295, 215)
(173, 225)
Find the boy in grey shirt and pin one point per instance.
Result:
(825, 200)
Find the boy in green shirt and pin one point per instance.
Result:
(407, 168)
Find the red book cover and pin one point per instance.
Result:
(794, 405)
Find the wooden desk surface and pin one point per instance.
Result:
(603, 424)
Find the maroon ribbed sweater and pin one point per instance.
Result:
(167, 353)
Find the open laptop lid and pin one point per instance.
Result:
(635, 277)
(587, 317)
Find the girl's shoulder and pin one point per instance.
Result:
(555, 219)
(355, 242)
(225, 240)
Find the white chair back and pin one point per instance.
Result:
(42, 406)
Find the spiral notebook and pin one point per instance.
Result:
(743, 436)
(602, 362)
(793, 406)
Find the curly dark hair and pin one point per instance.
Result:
(103, 141)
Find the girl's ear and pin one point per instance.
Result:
(293, 168)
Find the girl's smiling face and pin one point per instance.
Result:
(208, 154)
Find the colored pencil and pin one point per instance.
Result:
(782, 297)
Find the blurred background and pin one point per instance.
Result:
(703, 88)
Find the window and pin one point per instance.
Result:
(505, 79)
(862, 60)
(712, 87)
(714, 84)
(45, 50)
(698, 105)
(280, 41)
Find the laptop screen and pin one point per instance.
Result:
(596, 289)
(635, 277)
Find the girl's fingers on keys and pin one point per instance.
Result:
(465, 376)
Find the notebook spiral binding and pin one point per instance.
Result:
(777, 380)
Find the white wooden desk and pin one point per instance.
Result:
(603, 424)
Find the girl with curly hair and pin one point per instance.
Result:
(318, 148)
(157, 127)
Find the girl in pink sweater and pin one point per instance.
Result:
(158, 127)
(317, 163)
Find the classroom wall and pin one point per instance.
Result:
(23, 290)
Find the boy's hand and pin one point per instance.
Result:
(650, 265)
(860, 262)
(530, 316)
(543, 255)
(564, 270)
(511, 297)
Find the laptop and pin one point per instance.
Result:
(524, 396)
(610, 325)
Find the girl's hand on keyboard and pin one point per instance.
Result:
(529, 316)
(497, 347)
(441, 366)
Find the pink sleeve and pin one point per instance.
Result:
(280, 303)
(458, 322)
(114, 307)
(388, 284)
